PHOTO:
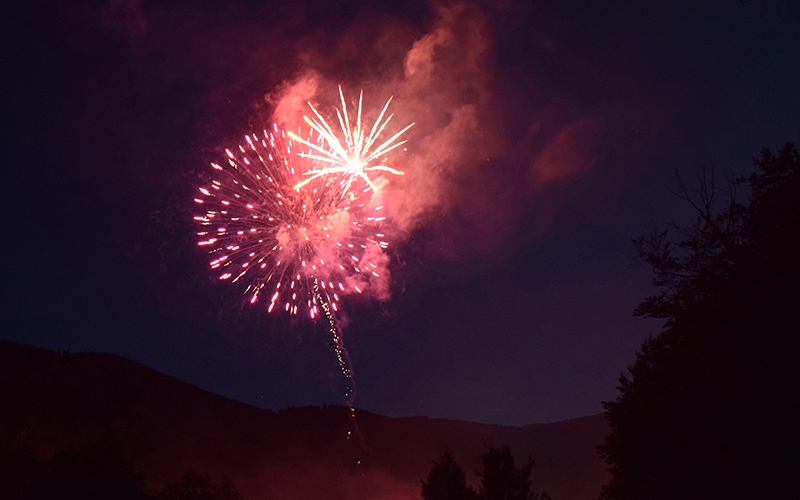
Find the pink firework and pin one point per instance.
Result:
(279, 240)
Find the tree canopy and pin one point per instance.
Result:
(196, 486)
(709, 406)
(447, 481)
(500, 479)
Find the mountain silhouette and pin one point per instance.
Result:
(54, 400)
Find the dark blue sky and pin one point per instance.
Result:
(513, 308)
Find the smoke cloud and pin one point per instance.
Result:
(489, 159)
(469, 179)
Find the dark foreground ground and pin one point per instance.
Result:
(51, 401)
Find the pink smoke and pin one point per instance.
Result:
(465, 176)
(481, 175)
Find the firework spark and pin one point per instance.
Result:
(278, 239)
(353, 157)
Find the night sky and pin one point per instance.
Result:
(546, 138)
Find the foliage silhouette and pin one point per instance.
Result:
(98, 471)
(708, 408)
(500, 479)
(447, 481)
(20, 472)
(195, 486)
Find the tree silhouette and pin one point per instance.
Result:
(98, 471)
(501, 479)
(20, 472)
(447, 481)
(195, 486)
(708, 409)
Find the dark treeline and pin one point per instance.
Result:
(500, 479)
(711, 404)
(195, 486)
(96, 471)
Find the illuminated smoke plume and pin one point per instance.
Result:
(470, 176)
(493, 159)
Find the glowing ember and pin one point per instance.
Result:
(351, 159)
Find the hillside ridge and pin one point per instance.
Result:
(168, 426)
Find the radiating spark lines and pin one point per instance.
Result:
(352, 158)
(278, 239)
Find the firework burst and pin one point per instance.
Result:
(353, 157)
(300, 229)
(292, 240)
